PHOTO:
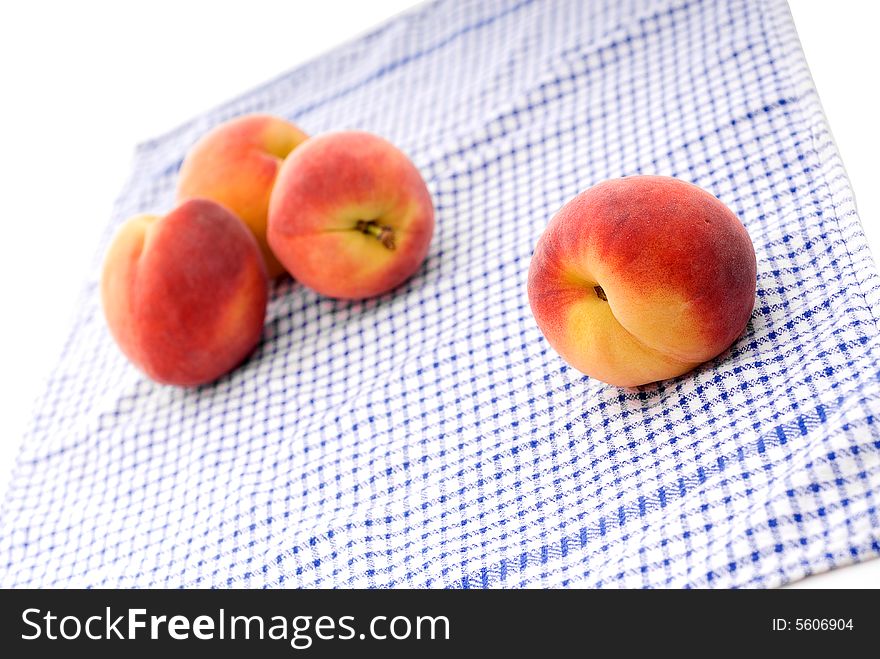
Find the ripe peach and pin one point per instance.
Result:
(236, 164)
(642, 278)
(350, 216)
(185, 294)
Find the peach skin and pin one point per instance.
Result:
(236, 164)
(350, 216)
(185, 294)
(641, 279)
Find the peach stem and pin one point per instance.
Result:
(384, 233)
(600, 293)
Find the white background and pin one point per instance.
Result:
(83, 82)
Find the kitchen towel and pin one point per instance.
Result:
(431, 437)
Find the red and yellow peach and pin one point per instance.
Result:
(236, 164)
(185, 294)
(641, 279)
(350, 216)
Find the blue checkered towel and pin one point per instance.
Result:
(431, 437)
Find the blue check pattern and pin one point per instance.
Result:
(431, 437)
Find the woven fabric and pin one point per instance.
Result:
(431, 437)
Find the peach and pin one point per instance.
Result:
(236, 164)
(641, 279)
(185, 294)
(350, 216)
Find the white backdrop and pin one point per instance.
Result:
(84, 82)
